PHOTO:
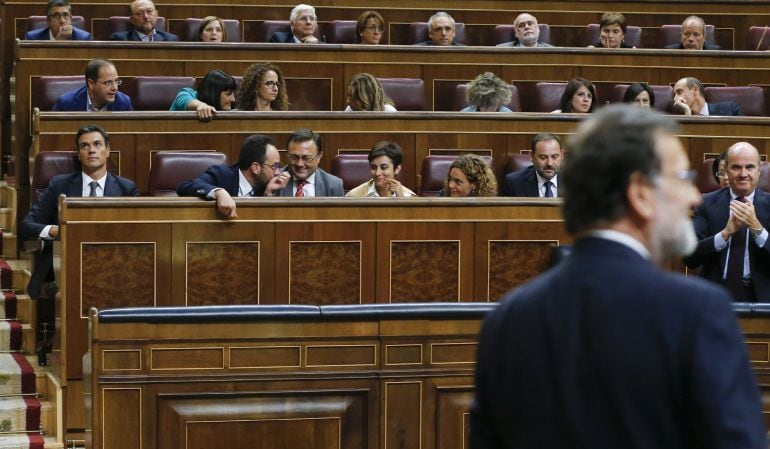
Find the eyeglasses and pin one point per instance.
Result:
(111, 83)
(306, 158)
(374, 28)
(681, 175)
(721, 174)
(271, 84)
(60, 15)
(276, 166)
(306, 19)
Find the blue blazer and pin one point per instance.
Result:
(711, 217)
(43, 34)
(430, 43)
(729, 108)
(522, 182)
(607, 351)
(76, 100)
(282, 37)
(706, 46)
(222, 176)
(130, 35)
(326, 184)
(46, 212)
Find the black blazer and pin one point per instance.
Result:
(706, 46)
(729, 108)
(607, 351)
(46, 212)
(130, 35)
(711, 217)
(522, 182)
(282, 38)
(223, 176)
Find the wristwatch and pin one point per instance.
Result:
(756, 232)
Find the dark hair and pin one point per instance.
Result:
(477, 171)
(212, 85)
(247, 94)
(613, 18)
(86, 129)
(637, 88)
(605, 152)
(691, 82)
(715, 166)
(361, 23)
(206, 21)
(572, 86)
(253, 150)
(303, 135)
(387, 148)
(56, 3)
(543, 137)
(93, 66)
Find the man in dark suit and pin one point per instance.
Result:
(42, 221)
(541, 179)
(100, 92)
(304, 24)
(257, 173)
(59, 19)
(441, 30)
(689, 100)
(693, 36)
(144, 18)
(526, 32)
(608, 350)
(731, 226)
(304, 151)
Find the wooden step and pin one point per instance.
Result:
(51, 443)
(9, 244)
(25, 309)
(21, 273)
(6, 213)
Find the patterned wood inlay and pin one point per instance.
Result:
(117, 275)
(514, 263)
(221, 273)
(424, 271)
(325, 273)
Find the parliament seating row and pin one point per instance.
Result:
(153, 93)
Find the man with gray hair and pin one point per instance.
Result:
(607, 349)
(304, 24)
(527, 32)
(693, 36)
(441, 30)
(689, 100)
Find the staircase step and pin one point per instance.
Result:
(9, 244)
(21, 273)
(51, 443)
(27, 339)
(6, 214)
(25, 309)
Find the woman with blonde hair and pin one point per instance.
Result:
(263, 89)
(487, 93)
(365, 93)
(469, 175)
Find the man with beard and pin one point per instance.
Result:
(541, 178)
(731, 226)
(144, 18)
(257, 173)
(607, 349)
(527, 32)
(304, 151)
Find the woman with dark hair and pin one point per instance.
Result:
(640, 94)
(365, 93)
(719, 169)
(612, 31)
(578, 97)
(487, 93)
(469, 175)
(216, 92)
(369, 28)
(263, 89)
(385, 164)
(212, 29)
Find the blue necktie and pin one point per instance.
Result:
(548, 190)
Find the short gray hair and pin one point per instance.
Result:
(299, 8)
(439, 15)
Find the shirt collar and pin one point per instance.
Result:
(622, 238)
(541, 180)
(90, 106)
(749, 197)
(244, 188)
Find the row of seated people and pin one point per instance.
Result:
(263, 87)
(370, 28)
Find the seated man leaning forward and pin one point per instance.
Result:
(304, 24)
(58, 15)
(689, 100)
(257, 173)
(93, 179)
(100, 92)
(527, 32)
(144, 21)
(304, 151)
(441, 30)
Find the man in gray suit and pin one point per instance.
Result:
(304, 151)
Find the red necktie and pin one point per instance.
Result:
(300, 193)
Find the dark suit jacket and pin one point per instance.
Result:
(454, 44)
(282, 37)
(46, 212)
(522, 182)
(608, 351)
(130, 35)
(76, 100)
(42, 34)
(326, 184)
(711, 217)
(222, 175)
(724, 108)
(706, 46)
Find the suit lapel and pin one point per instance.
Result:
(531, 186)
(75, 186)
(320, 186)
